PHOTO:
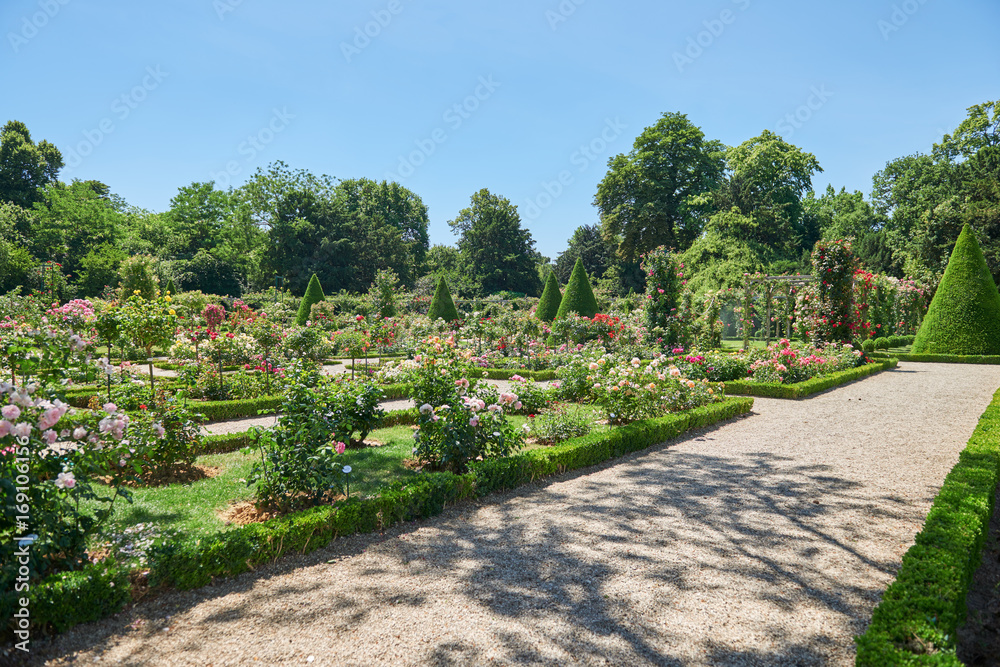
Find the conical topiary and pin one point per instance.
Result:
(314, 294)
(548, 305)
(171, 289)
(579, 295)
(442, 305)
(964, 317)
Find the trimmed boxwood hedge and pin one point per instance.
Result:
(247, 407)
(809, 387)
(948, 358)
(196, 563)
(926, 602)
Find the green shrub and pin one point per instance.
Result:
(881, 343)
(559, 423)
(964, 317)
(926, 603)
(579, 295)
(868, 346)
(314, 294)
(442, 306)
(548, 304)
(298, 458)
(63, 600)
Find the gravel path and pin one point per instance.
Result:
(763, 541)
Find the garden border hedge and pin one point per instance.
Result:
(946, 358)
(64, 600)
(926, 602)
(809, 387)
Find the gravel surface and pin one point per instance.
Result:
(767, 540)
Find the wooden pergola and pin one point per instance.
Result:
(771, 285)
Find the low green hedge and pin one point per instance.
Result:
(236, 409)
(63, 600)
(926, 603)
(196, 563)
(947, 358)
(809, 387)
(224, 443)
(508, 473)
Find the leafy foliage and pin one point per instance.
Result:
(657, 194)
(548, 305)
(964, 316)
(442, 306)
(579, 295)
(314, 294)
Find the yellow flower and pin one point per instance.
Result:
(136, 292)
(167, 298)
(171, 311)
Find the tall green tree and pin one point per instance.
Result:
(496, 251)
(589, 245)
(766, 180)
(197, 217)
(397, 206)
(658, 193)
(25, 167)
(73, 219)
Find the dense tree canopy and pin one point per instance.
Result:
(494, 249)
(658, 193)
(725, 211)
(589, 245)
(25, 167)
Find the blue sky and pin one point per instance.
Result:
(449, 97)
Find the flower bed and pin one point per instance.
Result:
(808, 387)
(96, 591)
(915, 622)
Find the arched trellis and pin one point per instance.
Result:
(774, 287)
